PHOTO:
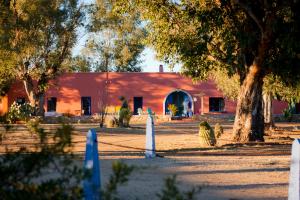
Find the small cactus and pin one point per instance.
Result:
(206, 135)
(218, 130)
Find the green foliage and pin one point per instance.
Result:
(252, 39)
(6, 79)
(25, 174)
(172, 192)
(173, 109)
(280, 90)
(78, 64)
(218, 130)
(206, 135)
(288, 112)
(229, 85)
(36, 36)
(204, 35)
(205, 125)
(19, 112)
(120, 175)
(116, 41)
(125, 115)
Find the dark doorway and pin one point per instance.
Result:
(297, 108)
(182, 101)
(137, 103)
(86, 105)
(51, 104)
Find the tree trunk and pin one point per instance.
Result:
(29, 88)
(41, 102)
(249, 118)
(268, 113)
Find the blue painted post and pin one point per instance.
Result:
(294, 186)
(92, 184)
(150, 136)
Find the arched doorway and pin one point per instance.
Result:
(182, 100)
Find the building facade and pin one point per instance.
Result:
(83, 94)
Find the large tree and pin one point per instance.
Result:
(250, 38)
(116, 41)
(36, 37)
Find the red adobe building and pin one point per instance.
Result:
(81, 93)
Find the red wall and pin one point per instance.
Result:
(153, 87)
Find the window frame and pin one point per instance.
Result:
(55, 105)
(221, 104)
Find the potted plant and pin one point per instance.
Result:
(173, 109)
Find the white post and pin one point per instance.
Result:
(294, 186)
(92, 184)
(150, 136)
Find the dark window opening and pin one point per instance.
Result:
(86, 106)
(20, 100)
(216, 104)
(51, 104)
(297, 108)
(137, 105)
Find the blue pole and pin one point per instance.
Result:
(92, 184)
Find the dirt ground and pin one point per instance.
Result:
(229, 171)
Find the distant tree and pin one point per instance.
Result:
(116, 41)
(228, 85)
(78, 64)
(36, 37)
(273, 88)
(250, 38)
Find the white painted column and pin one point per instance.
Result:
(150, 137)
(294, 186)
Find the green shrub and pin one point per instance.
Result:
(20, 170)
(206, 135)
(218, 130)
(171, 191)
(19, 112)
(288, 114)
(173, 109)
(121, 172)
(124, 117)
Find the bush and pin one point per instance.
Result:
(173, 109)
(171, 191)
(124, 117)
(20, 170)
(287, 114)
(19, 112)
(218, 130)
(206, 135)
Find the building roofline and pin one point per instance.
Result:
(121, 72)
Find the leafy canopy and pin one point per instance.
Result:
(116, 40)
(204, 34)
(36, 36)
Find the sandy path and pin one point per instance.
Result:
(230, 172)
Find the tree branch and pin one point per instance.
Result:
(251, 14)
